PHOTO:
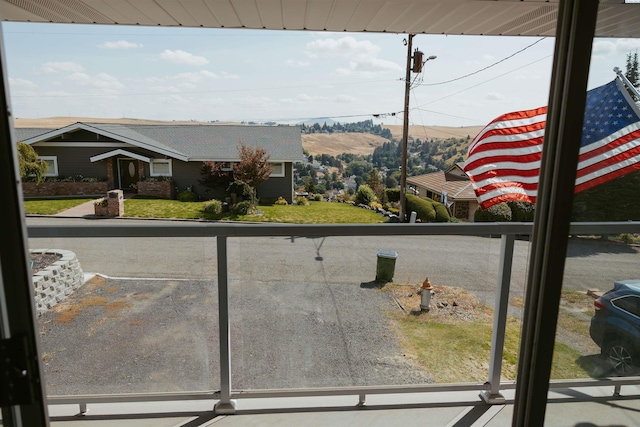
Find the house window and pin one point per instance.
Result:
(52, 165)
(278, 170)
(160, 167)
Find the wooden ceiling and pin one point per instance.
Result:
(474, 17)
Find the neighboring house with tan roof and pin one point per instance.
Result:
(454, 183)
(123, 155)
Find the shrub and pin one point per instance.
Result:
(242, 208)
(187, 196)
(302, 201)
(522, 211)
(241, 189)
(157, 178)
(496, 213)
(393, 195)
(424, 210)
(442, 214)
(317, 197)
(375, 205)
(101, 202)
(626, 238)
(365, 195)
(212, 207)
(281, 201)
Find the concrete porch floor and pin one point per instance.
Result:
(576, 407)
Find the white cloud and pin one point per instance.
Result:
(605, 48)
(368, 67)
(103, 81)
(21, 83)
(182, 57)
(345, 99)
(120, 44)
(297, 64)
(303, 98)
(495, 96)
(346, 47)
(361, 55)
(58, 67)
(226, 75)
(195, 77)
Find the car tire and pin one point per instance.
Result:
(621, 357)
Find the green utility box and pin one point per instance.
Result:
(386, 265)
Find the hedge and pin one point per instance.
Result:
(424, 210)
(496, 213)
(393, 195)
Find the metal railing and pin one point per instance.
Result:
(226, 395)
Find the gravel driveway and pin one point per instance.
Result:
(129, 335)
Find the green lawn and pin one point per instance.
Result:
(315, 213)
(52, 206)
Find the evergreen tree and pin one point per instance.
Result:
(632, 73)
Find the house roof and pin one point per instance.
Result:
(437, 182)
(189, 142)
(616, 18)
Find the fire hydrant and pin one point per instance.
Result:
(426, 290)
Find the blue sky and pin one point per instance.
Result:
(235, 75)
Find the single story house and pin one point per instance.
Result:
(125, 156)
(451, 187)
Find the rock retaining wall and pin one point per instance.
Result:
(57, 281)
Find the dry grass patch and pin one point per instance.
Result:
(116, 306)
(453, 339)
(67, 312)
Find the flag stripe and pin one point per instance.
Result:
(503, 161)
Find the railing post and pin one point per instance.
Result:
(492, 395)
(225, 405)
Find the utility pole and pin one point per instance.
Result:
(405, 132)
(416, 68)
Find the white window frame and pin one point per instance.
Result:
(166, 161)
(53, 159)
(282, 174)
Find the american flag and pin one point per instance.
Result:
(503, 161)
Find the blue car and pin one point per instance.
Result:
(615, 326)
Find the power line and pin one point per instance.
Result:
(486, 81)
(485, 68)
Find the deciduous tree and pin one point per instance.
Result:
(31, 168)
(253, 168)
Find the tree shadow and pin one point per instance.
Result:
(581, 247)
(373, 284)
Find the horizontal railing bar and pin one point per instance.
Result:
(346, 391)
(329, 391)
(209, 229)
(132, 397)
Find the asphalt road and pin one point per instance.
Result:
(464, 261)
(304, 312)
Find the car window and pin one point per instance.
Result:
(628, 303)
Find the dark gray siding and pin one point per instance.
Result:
(276, 187)
(186, 174)
(75, 161)
(82, 135)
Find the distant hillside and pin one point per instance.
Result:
(435, 132)
(58, 122)
(337, 143)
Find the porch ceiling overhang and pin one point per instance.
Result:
(119, 152)
(616, 18)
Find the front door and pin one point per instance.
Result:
(128, 173)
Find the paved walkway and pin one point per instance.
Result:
(83, 210)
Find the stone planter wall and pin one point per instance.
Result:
(47, 189)
(163, 189)
(57, 281)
